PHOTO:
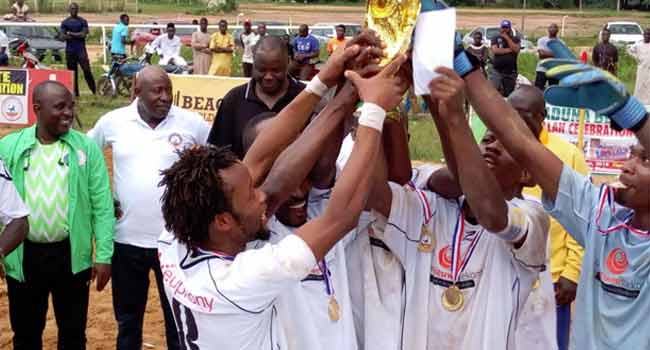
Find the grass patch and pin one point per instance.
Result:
(424, 143)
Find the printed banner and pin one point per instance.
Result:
(202, 93)
(605, 149)
(16, 88)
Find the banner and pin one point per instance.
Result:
(202, 93)
(605, 149)
(16, 89)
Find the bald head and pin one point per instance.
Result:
(254, 127)
(154, 91)
(271, 44)
(529, 103)
(150, 74)
(47, 89)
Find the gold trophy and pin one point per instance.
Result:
(393, 21)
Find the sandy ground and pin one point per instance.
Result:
(101, 324)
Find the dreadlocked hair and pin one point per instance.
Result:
(195, 193)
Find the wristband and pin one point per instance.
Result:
(631, 114)
(372, 116)
(316, 87)
(462, 64)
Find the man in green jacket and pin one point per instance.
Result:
(62, 177)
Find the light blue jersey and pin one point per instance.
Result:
(120, 31)
(613, 301)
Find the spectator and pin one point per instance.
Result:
(74, 30)
(64, 182)
(287, 41)
(195, 22)
(13, 217)
(604, 54)
(222, 47)
(305, 52)
(269, 90)
(144, 137)
(201, 54)
(505, 49)
(478, 49)
(248, 39)
(155, 31)
(19, 12)
(641, 52)
(261, 30)
(544, 52)
(337, 41)
(4, 44)
(169, 47)
(120, 37)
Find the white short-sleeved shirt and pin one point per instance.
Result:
(495, 283)
(139, 154)
(11, 205)
(303, 308)
(248, 41)
(168, 47)
(613, 299)
(225, 303)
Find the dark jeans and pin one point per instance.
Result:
(247, 69)
(563, 326)
(47, 269)
(541, 80)
(505, 83)
(131, 266)
(73, 59)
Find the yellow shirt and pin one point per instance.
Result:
(221, 62)
(566, 253)
(333, 44)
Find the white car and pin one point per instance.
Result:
(490, 32)
(626, 33)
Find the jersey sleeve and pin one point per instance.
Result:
(11, 205)
(528, 218)
(575, 203)
(421, 175)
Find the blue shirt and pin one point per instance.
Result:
(305, 45)
(119, 31)
(74, 25)
(613, 300)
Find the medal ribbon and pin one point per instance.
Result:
(426, 208)
(459, 264)
(607, 198)
(322, 266)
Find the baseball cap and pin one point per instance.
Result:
(506, 24)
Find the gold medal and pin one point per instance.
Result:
(536, 284)
(427, 242)
(452, 298)
(333, 309)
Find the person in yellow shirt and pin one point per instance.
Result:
(222, 45)
(339, 40)
(566, 253)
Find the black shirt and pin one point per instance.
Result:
(74, 25)
(238, 107)
(506, 63)
(605, 56)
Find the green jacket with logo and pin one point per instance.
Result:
(91, 216)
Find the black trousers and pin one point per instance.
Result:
(247, 69)
(131, 266)
(540, 81)
(73, 59)
(47, 270)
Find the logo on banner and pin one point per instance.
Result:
(12, 108)
(617, 261)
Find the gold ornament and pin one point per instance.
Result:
(333, 309)
(393, 21)
(452, 298)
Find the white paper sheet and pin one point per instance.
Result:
(434, 46)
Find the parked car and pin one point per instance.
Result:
(624, 33)
(41, 40)
(490, 32)
(325, 31)
(143, 36)
(236, 33)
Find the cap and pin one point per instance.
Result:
(506, 24)
(247, 21)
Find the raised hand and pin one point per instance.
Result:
(363, 49)
(384, 89)
(448, 88)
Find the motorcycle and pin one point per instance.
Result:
(29, 58)
(117, 78)
(171, 65)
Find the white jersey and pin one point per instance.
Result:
(226, 303)
(303, 309)
(11, 205)
(495, 282)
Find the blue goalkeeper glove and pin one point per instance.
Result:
(597, 90)
(560, 50)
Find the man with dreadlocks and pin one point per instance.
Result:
(224, 295)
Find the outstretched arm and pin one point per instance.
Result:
(513, 133)
(481, 189)
(350, 193)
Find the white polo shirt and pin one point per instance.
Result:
(229, 303)
(11, 205)
(139, 154)
(496, 281)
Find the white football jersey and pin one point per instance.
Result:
(229, 303)
(495, 282)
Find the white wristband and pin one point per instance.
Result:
(372, 116)
(316, 87)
